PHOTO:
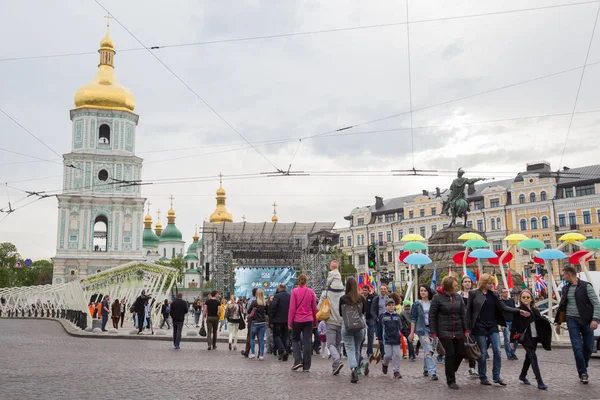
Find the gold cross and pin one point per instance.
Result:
(274, 208)
(108, 18)
(149, 204)
(158, 214)
(220, 180)
(172, 198)
(244, 218)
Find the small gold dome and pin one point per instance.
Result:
(104, 91)
(221, 214)
(221, 192)
(274, 219)
(196, 237)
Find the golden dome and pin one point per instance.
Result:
(221, 214)
(274, 219)
(104, 91)
(158, 227)
(196, 237)
(148, 221)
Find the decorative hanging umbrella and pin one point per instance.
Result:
(470, 236)
(572, 237)
(403, 255)
(531, 244)
(476, 244)
(551, 254)
(516, 237)
(417, 259)
(576, 257)
(482, 253)
(412, 246)
(538, 260)
(459, 257)
(591, 244)
(496, 261)
(411, 237)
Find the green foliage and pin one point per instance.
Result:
(39, 273)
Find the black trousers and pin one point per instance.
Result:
(302, 356)
(455, 350)
(177, 329)
(141, 317)
(122, 318)
(280, 337)
(248, 327)
(531, 360)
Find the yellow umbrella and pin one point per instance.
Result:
(470, 236)
(411, 237)
(516, 237)
(572, 237)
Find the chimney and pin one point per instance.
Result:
(438, 192)
(425, 193)
(378, 202)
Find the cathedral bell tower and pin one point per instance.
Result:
(100, 209)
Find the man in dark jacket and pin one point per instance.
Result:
(179, 308)
(580, 309)
(508, 317)
(139, 306)
(377, 309)
(371, 323)
(278, 319)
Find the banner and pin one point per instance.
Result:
(265, 278)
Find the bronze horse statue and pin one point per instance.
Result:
(458, 208)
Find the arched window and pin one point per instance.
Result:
(173, 256)
(523, 224)
(104, 134)
(493, 224)
(522, 199)
(498, 223)
(532, 197)
(544, 222)
(534, 223)
(165, 252)
(543, 196)
(100, 233)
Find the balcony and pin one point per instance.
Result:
(566, 228)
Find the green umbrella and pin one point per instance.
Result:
(476, 244)
(591, 244)
(532, 244)
(415, 246)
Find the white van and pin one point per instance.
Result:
(595, 276)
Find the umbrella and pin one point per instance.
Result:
(572, 237)
(551, 254)
(470, 236)
(459, 257)
(483, 253)
(417, 259)
(403, 255)
(411, 237)
(538, 260)
(592, 244)
(476, 243)
(516, 237)
(576, 257)
(532, 244)
(415, 246)
(496, 261)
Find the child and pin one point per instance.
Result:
(321, 331)
(405, 315)
(392, 329)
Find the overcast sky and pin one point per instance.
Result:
(291, 87)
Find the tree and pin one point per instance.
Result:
(43, 270)
(346, 268)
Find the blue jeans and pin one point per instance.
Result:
(428, 353)
(582, 341)
(482, 342)
(507, 348)
(104, 320)
(371, 328)
(258, 328)
(352, 341)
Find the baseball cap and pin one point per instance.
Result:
(390, 302)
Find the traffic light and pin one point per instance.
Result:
(372, 256)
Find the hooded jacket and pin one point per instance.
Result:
(334, 280)
(334, 296)
(447, 316)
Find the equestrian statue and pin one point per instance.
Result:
(457, 204)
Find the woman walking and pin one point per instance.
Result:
(116, 313)
(233, 314)
(448, 321)
(197, 311)
(419, 324)
(485, 312)
(352, 310)
(258, 308)
(466, 284)
(122, 311)
(164, 311)
(529, 331)
(302, 318)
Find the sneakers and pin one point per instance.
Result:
(209, 348)
(486, 382)
(542, 386)
(365, 367)
(353, 376)
(584, 378)
(384, 369)
(296, 367)
(434, 377)
(337, 368)
(176, 347)
(404, 356)
(285, 358)
(524, 380)
(261, 358)
(397, 375)
(230, 346)
(425, 373)
(453, 386)
(412, 359)
(500, 382)
(251, 355)
(473, 373)
(358, 371)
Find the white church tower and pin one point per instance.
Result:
(100, 210)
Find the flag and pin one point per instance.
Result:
(523, 283)
(449, 269)
(539, 280)
(434, 279)
(509, 278)
(359, 281)
(470, 275)
(477, 274)
(393, 287)
(495, 282)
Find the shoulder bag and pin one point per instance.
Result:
(472, 350)
(352, 318)
(202, 330)
(325, 310)
(242, 322)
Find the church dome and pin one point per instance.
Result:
(221, 214)
(104, 91)
(149, 238)
(170, 234)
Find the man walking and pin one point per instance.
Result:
(377, 310)
(105, 311)
(211, 314)
(371, 324)
(278, 318)
(178, 310)
(580, 309)
(246, 351)
(139, 306)
(333, 293)
(508, 317)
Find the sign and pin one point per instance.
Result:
(18, 264)
(28, 262)
(265, 278)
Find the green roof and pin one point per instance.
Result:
(170, 234)
(191, 257)
(149, 238)
(192, 271)
(193, 247)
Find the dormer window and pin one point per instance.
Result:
(104, 134)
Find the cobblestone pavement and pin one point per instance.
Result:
(38, 360)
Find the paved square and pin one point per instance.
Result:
(38, 360)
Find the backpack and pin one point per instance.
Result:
(352, 317)
(167, 310)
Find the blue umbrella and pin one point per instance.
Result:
(483, 253)
(551, 254)
(417, 259)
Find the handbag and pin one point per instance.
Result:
(325, 310)
(521, 338)
(472, 350)
(202, 330)
(242, 322)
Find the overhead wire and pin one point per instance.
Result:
(28, 131)
(412, 136)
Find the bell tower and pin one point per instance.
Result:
(100, 209)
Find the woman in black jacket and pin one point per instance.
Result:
(529, 331)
